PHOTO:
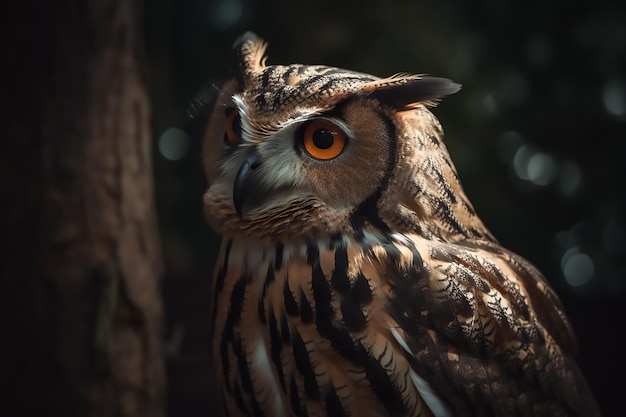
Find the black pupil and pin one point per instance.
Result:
(323, 138)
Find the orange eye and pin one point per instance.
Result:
(323, 140)
(232, 136)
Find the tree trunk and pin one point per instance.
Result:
(81, 311)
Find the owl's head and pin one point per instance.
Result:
(299, 152)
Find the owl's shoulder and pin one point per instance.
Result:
(479, 319)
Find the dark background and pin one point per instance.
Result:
(538, 134)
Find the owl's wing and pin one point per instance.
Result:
(486, 331)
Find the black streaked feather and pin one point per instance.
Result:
(303, 363)
(276, 347)
(361, 292)
(242, 365)
(234, 314)
(291, 305)
(412, 90)
(294, 397)
(241, 404)
(339, 279)
(333, 405)
(381, 383)
(278, 260)
(306, 311)
(284, 330)
(353, 317)
(237, 58)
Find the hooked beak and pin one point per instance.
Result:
(248, 188)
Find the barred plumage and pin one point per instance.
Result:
(355, 278)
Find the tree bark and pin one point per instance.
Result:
(81, 310)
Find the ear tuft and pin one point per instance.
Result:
(404, 91)
(247, 56)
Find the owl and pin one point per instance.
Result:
(354, 276)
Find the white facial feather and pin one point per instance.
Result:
(282, 167)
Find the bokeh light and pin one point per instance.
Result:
(174, 144)
(614, 98)
(570, 177)
(223, 14)
(577, 267)
(533, 165)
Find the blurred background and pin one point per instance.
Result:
(538, 134)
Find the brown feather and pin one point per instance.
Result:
(366, 284)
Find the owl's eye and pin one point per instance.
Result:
(232, 136)
(323, 140)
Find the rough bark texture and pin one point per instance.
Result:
(80, 304)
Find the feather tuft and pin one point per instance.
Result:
(247, 56)
(404, 91)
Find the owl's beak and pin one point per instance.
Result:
(247, 188)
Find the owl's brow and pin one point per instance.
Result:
(300, 116)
